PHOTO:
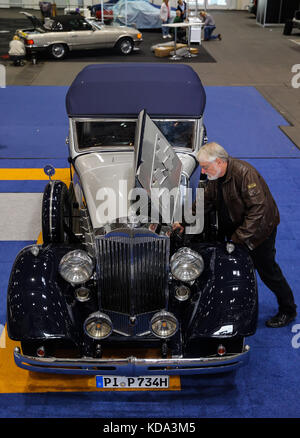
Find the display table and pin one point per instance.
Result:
(176, 57)
(195, 31)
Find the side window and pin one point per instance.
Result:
(84, 25)
(74, 24)
(79, 24)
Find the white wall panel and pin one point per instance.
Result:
(22, 217)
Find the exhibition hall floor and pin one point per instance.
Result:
(253, 111)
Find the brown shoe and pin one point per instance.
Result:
(220, 36)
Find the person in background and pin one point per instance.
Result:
(53, 10)
(209, 27)
(181, 6)
(17, 51)
(165, 14)
(181, 32)
(45, 8)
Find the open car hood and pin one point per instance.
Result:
(157, 167)
(34, 21)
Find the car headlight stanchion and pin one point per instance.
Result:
(98, 326)
(76, 267)
(186, 265)
(182, 292)
(164, 324)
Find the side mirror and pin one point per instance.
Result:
(49, 170)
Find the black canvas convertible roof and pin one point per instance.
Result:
(127, 88)
(67, 21)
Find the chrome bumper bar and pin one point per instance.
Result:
(132, 366)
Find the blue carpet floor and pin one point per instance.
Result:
(33, 128)
(34, 124)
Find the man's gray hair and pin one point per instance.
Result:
(211, 151)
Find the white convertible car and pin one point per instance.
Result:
(65, 33)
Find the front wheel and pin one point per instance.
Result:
(125, 46)
(58, 51)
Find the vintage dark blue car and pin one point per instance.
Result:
(113, 291)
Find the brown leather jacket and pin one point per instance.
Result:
(249, 201)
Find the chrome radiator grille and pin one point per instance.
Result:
(132, 271)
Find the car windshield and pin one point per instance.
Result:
(179, 133)
(91, 134)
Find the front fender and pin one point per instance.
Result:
(226, 296)
(36, 305)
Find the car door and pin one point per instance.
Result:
(104, 36)
(80, 34)
(157, 168)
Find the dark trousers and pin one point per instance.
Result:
(270, 273)
(208, 30)
(17, 59)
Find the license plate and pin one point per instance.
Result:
(114, 382)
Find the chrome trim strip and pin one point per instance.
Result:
(133, 119)
(132, 365)
(50, 209)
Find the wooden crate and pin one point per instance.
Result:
(165, 50)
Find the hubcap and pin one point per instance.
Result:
(126, 47)
(58, 50)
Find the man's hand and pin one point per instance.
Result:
(177, 227)
(235, 239)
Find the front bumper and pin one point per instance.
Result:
(296, 23)
(32, 50)
(133, 366)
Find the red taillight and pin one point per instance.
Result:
(221, 350)
(40, 352)
(29, 42)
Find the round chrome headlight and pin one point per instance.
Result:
(186, 265)
(98, 326)
(76, 267)
(164, 324)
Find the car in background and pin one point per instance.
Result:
(105, 8)
(97, 10)
(113, 291)
(296, 19)
(61, 34)
(292, 24)
(139, 13)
